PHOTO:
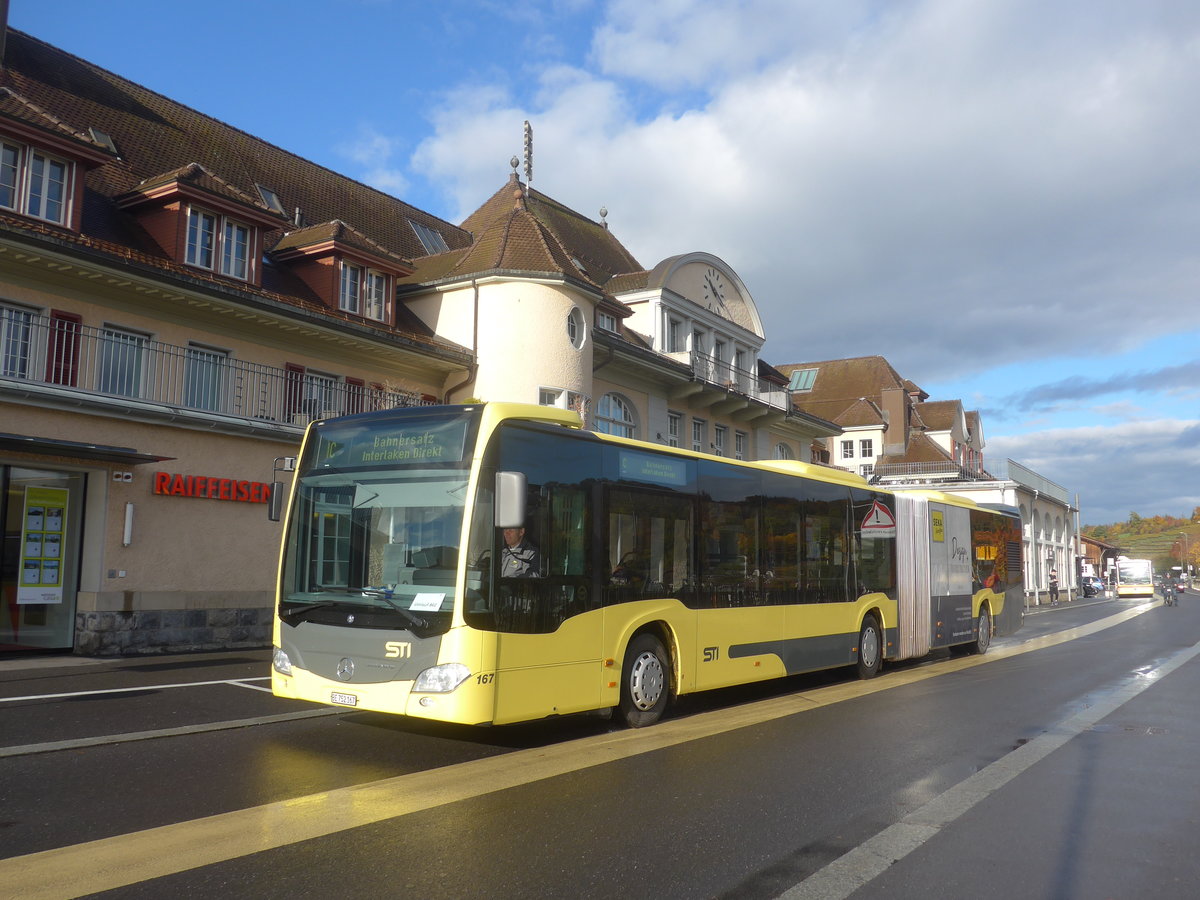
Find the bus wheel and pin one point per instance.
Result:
(983, 638)
(644, 681)
(870, 648)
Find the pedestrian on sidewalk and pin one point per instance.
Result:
(1053, 586)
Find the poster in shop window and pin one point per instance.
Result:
(45, 517)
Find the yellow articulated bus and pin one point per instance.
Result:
(496, 563)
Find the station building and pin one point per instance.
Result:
(179, 299)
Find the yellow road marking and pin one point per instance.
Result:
(122, 860)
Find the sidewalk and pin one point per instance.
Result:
(1069, 603)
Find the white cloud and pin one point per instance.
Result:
(1148, 467)
(955, 186)
(374, 155)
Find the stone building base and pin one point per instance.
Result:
(157, 631)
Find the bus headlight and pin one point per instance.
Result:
(280, 661)
(441, 679)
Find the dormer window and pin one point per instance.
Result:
(363, 292)
(607, 321)
(218, 243)
(34, 183)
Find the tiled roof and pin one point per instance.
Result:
(599, 252)
(519, 239)
(338, 232)
(840, 383)
(939, 415)
(861, 412)
(154, 134)
(921, 449)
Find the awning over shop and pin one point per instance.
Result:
(77, 450)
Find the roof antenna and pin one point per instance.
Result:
(528, 156)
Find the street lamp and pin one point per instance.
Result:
(1183, 563)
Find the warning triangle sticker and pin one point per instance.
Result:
(879, 521)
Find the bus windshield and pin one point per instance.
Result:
(376, 522)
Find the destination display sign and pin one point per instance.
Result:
(383, 444)
(654, 469)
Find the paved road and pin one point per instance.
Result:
(1060, 765)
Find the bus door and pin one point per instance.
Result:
(547, 614)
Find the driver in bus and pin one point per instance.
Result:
(519, 558)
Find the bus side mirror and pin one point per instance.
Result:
(275, 501)
(510, 499)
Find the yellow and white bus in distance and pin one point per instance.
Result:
(495, 563)
(1135, 577)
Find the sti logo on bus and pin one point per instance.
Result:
(398, 650)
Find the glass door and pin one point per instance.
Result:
(39, 557)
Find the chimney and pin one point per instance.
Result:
(3, 30)
(895, 403)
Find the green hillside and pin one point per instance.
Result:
(1161, 538)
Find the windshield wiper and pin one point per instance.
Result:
(296, 615)
(386, 597)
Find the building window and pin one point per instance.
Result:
(205, 231)
(719, 439)
(203, 378)
(614, 415)
(349, 288)
(321, 396)
(34, 183)
(739, 445)
(674, 424)
(783, 451)
(47, 187)
(607, 321)
(847, 449)
(575, 330)
(549, 397)
(699, 426)
(375, 294)
(430, 239)
(235, 250)
(16, 341)
(10, 165)
(363, 292)
(802, 380)
(866, 448)
(697, 341)
(122, 362)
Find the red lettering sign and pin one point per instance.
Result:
(211, 488)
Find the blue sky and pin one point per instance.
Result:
(1002, 197)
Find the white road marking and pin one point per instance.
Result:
(131, 690)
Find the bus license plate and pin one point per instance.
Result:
(343, 699)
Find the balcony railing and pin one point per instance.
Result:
(927, 471)
(724, 374)
(116, 363)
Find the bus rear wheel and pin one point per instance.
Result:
(645, 682)
(870, 648)
(983, 637)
